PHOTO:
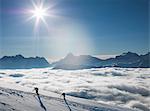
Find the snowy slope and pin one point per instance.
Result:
(15, 100)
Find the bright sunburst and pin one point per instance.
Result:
(39, 12)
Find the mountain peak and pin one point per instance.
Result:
(129, 53)
(19, 56)
(20, 62)
(70, 55)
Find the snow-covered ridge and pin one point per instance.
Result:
(15, 100)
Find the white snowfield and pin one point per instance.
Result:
(103, 89)
(17, 100)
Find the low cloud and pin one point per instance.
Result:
(127, 87)
(16, 75)
(133, 89)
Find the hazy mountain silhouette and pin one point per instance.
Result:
(126, 60)
(72, 62)
(20, 62)
(77, 62)
(145, 60)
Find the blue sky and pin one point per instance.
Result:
(96, 27)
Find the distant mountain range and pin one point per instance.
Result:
(20, 62)
(125, 60)
(72, 62)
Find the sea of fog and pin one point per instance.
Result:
(127, 87)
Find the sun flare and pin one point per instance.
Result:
(39, 13)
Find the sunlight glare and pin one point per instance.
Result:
(39, 13)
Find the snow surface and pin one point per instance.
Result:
(104, 89)
(15, 100)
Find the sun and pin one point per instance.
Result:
(39, 13)
(42, 13)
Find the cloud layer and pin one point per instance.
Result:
(127, 87)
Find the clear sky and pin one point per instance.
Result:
(96, 27)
